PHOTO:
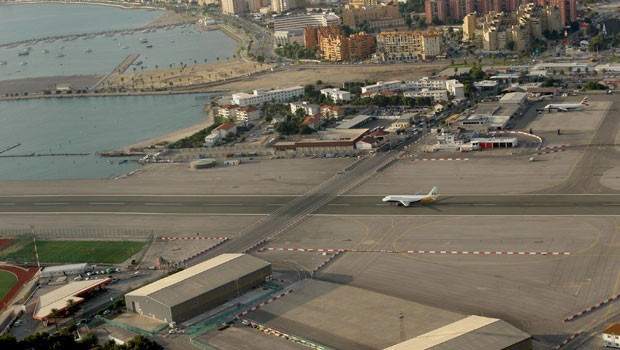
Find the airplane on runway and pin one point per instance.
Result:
(407, 200)
(565, 107)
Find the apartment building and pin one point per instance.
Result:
(336, 94)
(234, 7)
(259, 97)
(408, 45)
(353, 14)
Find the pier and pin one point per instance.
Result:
(120, 69)
(43, 155)
(10, 148)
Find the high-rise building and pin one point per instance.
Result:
(353, 15)
(469, 26)
(334, 45)
(408, 45)
(457, 9)
(254, 6)
(435, 9)
(234, 7)
(470, 6)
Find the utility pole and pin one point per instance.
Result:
(34, 241)
(402, 327)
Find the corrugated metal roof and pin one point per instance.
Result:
(470, 333)
(57, 299)
(200, 278)
(60, 268)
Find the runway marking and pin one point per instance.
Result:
(483, 204)
(162, 204)
(7, 203)
(106, 203)
(413, 251)
(276, 204)
(338, 205)
(51, 203)
(223, 204)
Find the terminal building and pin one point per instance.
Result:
(197, 289)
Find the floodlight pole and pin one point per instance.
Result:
(34, 240)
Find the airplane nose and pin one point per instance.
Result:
(385, 199)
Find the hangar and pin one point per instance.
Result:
(473, 332)
(197, 289)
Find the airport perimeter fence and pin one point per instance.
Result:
(18, 245)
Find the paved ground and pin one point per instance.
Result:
(270, 176)
(587, 119)
(246, 338)
(343, 317)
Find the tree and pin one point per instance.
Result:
(70, 305)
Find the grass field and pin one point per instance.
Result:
(112, 252)
(7, 281)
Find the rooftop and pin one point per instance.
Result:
(57, 299)
(198, 279)
(613, 329)
(470, 333)
(226, 126)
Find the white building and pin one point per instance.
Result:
(455, 88)
(308, 108)
(514, 98)
(63, 270)
(425, 83)
(283, 37)
(611, 336)
(336, 94)
(383, 86)
(248, 114)
(259, 97)
(299, 22)
(437, 95)
(211, 140)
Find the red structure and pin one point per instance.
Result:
(435, 8)
(23, 276)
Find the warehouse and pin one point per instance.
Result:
(199, 288)
(64, 270)
(470, 333)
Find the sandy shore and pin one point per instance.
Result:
(170, 137)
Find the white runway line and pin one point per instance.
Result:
(51, 203)
(162, 204)
(223, 205)
(106, 203)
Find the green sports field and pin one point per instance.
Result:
(7, 281)
(111, 252)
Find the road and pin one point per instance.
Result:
(320, 202)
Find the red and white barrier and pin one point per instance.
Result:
(444, 252)
(256, 307)
(548, 150)
(316, 269)
(431, 159)
(254, 246)
(591, 308)
(191, 238)
(568, 340)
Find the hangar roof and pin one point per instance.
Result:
(470, 333)
(201, 278)
(57, 299)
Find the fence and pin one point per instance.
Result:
(81, 234)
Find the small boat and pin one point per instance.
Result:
(124, 47)
(143, 40)
(171, 41)
(23, 63)
(24, 53)
(124, 161)
(138, 63)
(2, 63)
(60, 55)
(145, 31)
(45, 51)
(88, 50)
(149, 46)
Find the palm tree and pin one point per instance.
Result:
(54, 316)
(70, 305)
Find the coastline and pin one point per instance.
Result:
(172, 136)
(93, 3)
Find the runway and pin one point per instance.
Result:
(342, 205)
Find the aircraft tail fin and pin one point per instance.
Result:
(584, 101)
(434, 191)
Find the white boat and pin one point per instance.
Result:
(2, 63)
(60, 55)
(143, 40)
(24, 53)
(124, 47)
(88, 50)
(138, 63)
(23, 63)
(45, 51)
